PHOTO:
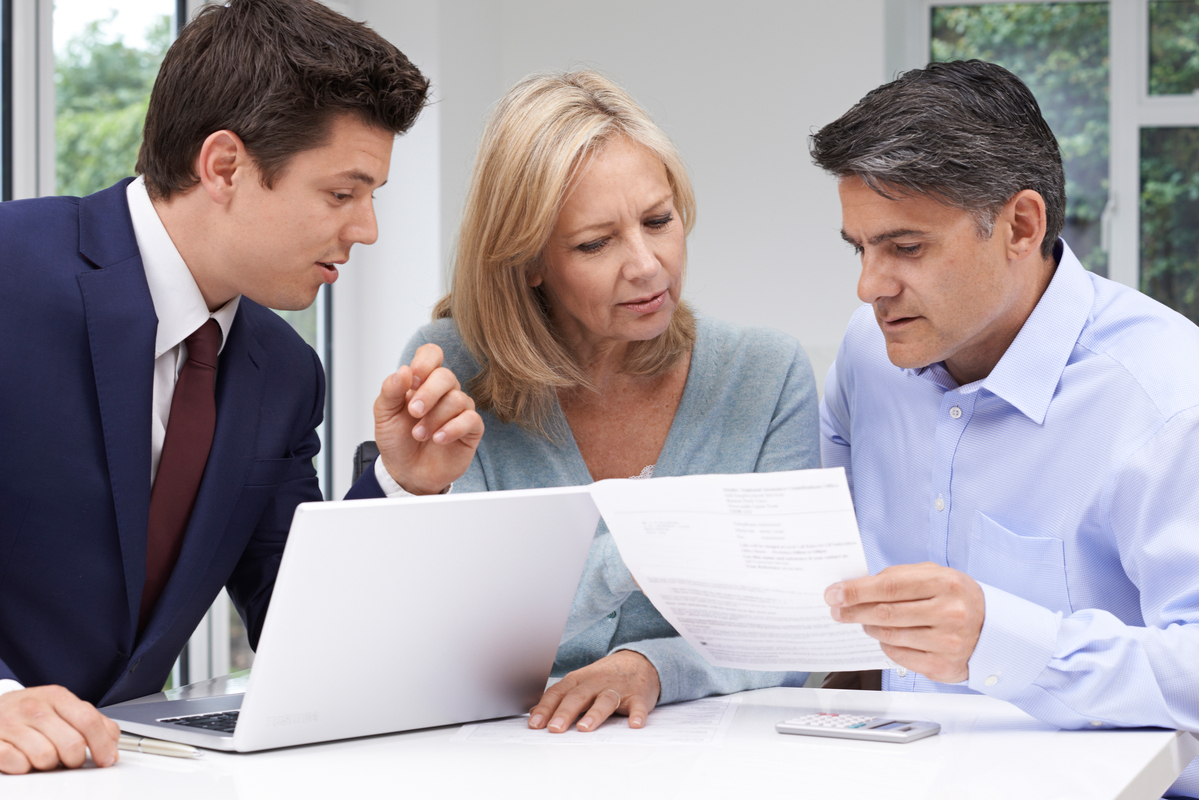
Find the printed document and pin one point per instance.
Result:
(738, 564)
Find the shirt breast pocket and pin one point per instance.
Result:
(1032, 567)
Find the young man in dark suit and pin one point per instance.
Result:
(157, 423)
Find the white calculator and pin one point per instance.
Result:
(858, 726)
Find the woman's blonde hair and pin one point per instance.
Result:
(539, 138)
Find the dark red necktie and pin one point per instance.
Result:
(184, 454)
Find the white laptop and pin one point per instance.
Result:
(392, 615)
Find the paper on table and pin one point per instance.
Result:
(738, 564)
(699, 722)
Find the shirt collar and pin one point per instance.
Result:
(178, 303)
(1028, 373)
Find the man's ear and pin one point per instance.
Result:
(1025, 215)
(222, 164)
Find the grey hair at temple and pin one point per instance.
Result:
(968, 133)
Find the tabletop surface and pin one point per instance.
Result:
(987, 749)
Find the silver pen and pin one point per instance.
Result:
(156, 747)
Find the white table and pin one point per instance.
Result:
(987, 749)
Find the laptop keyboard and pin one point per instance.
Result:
(222, 721)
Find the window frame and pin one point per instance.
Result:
(1130, 108)
(5, 100)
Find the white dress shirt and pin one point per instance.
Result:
(178, 304)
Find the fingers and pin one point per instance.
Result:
(927, 617)
(426, 427)
(12, 760)
(638, 711)
(444, 413)
(606, 702)
(904, 582)
(100, 733)
(427, 358)
(560, 705)
(393, 396)
(30, 749)
(431, 397)
(47, 725)
(624, 682)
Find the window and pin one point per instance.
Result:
(5, 100)
(1119, 83)
(1169, 161)
(106, 57)
(1069, 82)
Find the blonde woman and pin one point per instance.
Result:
(565, 323)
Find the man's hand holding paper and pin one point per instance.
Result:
(927, 617)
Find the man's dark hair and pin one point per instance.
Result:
(967, 133)
(277, 73)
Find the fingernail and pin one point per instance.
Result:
(107, 761)
(557, 724)
(586, 723)
(439, 437)
(417, 407)
(837, 613)
(535, 721)
(419, 432)
(834, 595)
(636, 722)
(415, 381)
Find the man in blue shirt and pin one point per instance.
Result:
(1019, 433)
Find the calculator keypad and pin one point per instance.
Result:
(833, 720)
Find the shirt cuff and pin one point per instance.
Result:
(390, 487)
(1015, 646)
(9, 685)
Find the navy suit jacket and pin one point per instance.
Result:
(77, 328)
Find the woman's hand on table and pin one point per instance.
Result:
(624, 682)
(426, 427)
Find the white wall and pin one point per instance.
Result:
(738, 87)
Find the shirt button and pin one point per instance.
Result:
(992, 680)
(903, 672)
(955, 412)
(1096, 723)
(612, 615)
(939, 504)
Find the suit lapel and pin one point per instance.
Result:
(121, 327)
(239, 390)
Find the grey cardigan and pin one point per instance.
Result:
(749, 405)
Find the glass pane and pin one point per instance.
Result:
(1173, 46)
(1169, 216)
(106, 57)
(304, 322)
(1061, 51)
(240, 655)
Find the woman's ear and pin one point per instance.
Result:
(533, 277)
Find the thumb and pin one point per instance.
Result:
(638, 711)
(393, 396)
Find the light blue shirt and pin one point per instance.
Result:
(1066, 483)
